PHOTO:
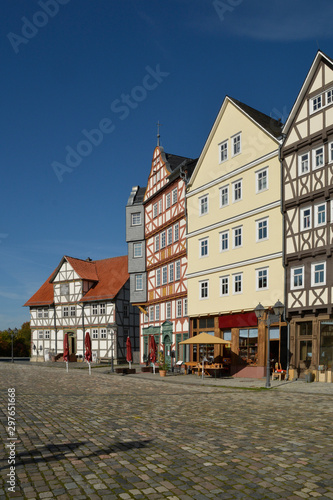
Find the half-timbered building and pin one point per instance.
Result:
(84, 296)
(162, 282)
(307, 164)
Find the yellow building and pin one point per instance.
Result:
(234, 237)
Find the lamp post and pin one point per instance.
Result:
(13, 334)
(278, 311)
(113, 329)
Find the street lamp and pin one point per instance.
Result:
(13, 334)
(278, 311)
(113, 328)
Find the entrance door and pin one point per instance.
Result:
(167, 350)
(305, 355)
(72, 342)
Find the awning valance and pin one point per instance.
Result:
(241, 320)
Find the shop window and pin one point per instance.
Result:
(326, 344)
(305, 350)
(248, 345)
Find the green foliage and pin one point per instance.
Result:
(21, 342)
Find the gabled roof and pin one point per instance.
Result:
(320, 56)
(175, 160)
(110, 275)
(268, 124)
(43, 296)
(86, 269)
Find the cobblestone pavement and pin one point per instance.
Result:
(143, 437)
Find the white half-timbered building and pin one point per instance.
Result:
(161, 282)
(307, 166)
(84, 296)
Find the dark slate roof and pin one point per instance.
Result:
(274, 127)
(137, 195)
(175, 160)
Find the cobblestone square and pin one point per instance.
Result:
(135, 437)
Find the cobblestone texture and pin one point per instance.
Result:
(143, 437)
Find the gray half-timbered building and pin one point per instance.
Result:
(307, 179)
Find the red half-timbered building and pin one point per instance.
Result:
(164, 314)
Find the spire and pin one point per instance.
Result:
(158, 133)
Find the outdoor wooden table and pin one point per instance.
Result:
(191, 365)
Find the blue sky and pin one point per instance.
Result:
(73, 66)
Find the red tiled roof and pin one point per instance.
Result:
(43, 296)
(110, 276)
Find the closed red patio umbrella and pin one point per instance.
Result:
(129, 357)
(152, 350)
(66, 350)
(87, 354)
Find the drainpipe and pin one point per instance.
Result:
(83, 334)
(185, 178)
(55, 329)
(283, 258)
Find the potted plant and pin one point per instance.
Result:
(163, 367)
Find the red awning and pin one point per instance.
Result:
(241, 320)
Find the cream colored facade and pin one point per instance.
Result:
(258, 153)
(234, 237)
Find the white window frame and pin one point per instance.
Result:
(94, 309)
(235, 143)
(47, 334)
(330, 152)
(235, 189)
(224, 281)
(151, 313)
(94, 334)
(155, 210)
(157, 312)
(292, 278)
(102, 333)
(171, 272)
(329, 98)
(259, 277)
(137, 250)
(65, 311)
(223, 151)
(40, 334)
(176, 231)
(158, 277)
(259, 180)
(136, 219)
(45, 312)
(169, 236)
(178, 271)
(302, 219)
(167, 201)
(160, 206)
(204, 289)
(157, 242)
(174, 196)
(203, 247)
(163, 239)
(314, 157)
(164, 275)
(168, 310)
(234, 236)
(316, 214)
(72, 311)
(224, 233)
(102, 309)
(234, 281)
(313, 274)
(316, 103)
(185, 307)
(179, 308)
(258, 229)
(302, 158)
(138, 279)
(224, 195)
(203, 205)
